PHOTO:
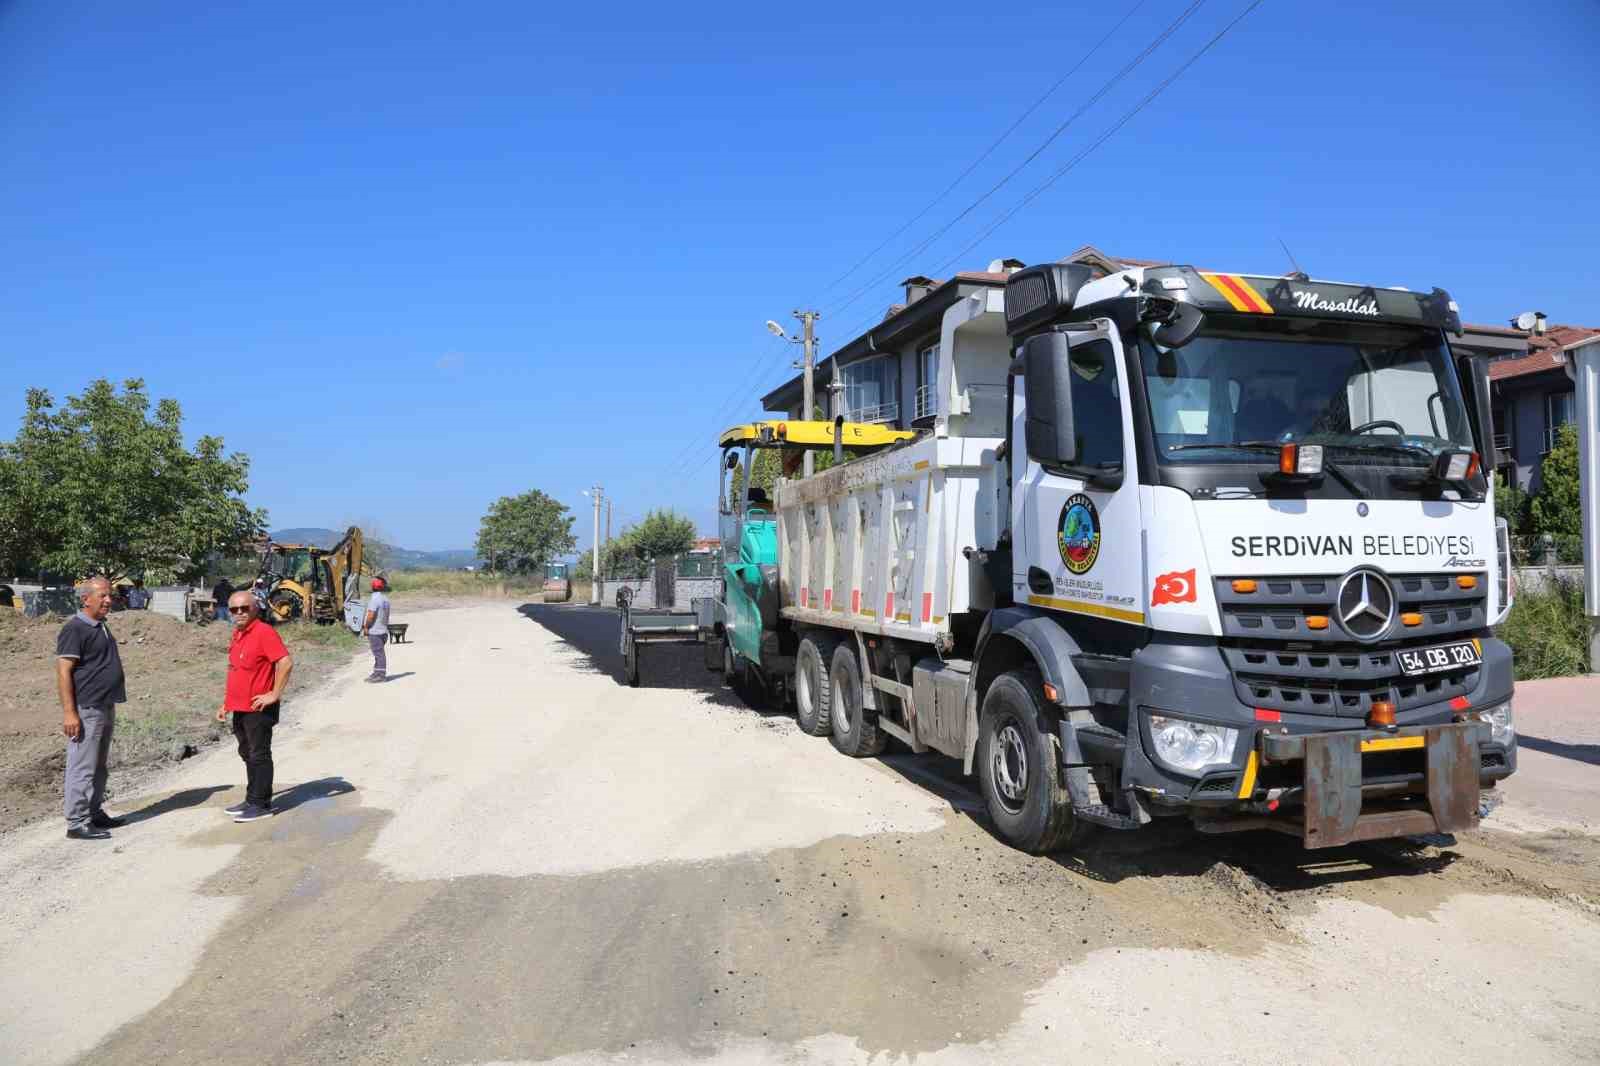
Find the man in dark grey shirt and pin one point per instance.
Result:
(89, 679)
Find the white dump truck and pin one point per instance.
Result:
(1178, 543)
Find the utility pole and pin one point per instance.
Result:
(594, 585)
(808, 319)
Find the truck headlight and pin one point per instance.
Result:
(1191, 746)
(1501, 727)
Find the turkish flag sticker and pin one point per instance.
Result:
(1176, 587)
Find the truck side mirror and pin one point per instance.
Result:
(1178, 327)
(1047, 378)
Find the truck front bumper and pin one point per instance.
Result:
(1338, 801)
(1328, 780)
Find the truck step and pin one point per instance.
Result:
(1100, 814)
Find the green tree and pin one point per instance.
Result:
(1512, 504)
(521, 533)
(662, 534)
(1555, 507)
(768, 465)
(99, 486)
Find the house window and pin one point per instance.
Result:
(927, 381)
(1559, 412)
(870, 388)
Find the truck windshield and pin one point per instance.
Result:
(1382, 398)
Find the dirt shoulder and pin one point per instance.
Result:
(175, 679)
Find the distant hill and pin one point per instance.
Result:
(398, 558)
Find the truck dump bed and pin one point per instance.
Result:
(875, 544)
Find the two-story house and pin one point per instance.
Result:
(1533, 398)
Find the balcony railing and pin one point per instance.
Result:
(926, 401)
(883, 412)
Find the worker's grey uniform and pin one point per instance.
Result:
(378, 633)
(97, 683)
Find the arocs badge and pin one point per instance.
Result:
(1078, 533)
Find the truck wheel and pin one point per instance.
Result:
(1017, 766)
(813, 692)
(853, 732)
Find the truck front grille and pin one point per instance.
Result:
(1280, 663)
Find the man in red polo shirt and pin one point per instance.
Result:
(258, 671)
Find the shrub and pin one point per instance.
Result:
(1556, 508)
(1515, 506)
(1548, 631)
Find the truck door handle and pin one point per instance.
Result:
(1039, 581)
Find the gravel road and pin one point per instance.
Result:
(504, 855)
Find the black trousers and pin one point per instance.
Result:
(253, 730)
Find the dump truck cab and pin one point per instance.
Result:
(1252, 548)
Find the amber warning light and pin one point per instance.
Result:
(1304, 460)
(1382, 715)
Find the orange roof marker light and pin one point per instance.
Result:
(1243, 586)
(1316, 621)
(1300, 460)
(1411, 618)
(1466, 581)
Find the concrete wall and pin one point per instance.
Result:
(1534, 578)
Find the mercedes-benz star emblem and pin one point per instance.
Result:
(1365, 605)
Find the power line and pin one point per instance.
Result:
(1161, 87)
(987, 152)
(733, 397)
(685, 462)
(1097, 142)
(1127, 69)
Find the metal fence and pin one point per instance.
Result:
(1546, 549)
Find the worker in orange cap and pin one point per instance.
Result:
(376, 629)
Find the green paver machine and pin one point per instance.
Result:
(739, 626)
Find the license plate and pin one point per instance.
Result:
(1415, 661)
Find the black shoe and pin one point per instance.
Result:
(252, 813)
(87, 832)
(235, 809)
(376, 679)
(106, 821)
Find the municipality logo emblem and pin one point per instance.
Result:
(1078, 533)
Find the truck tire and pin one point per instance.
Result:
(813, 692)
(1017, 766)
(855, 733)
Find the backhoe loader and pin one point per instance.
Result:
(309, 583)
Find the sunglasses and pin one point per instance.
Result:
(239, 610)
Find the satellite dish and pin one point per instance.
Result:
(1525, 321)
(775, 329)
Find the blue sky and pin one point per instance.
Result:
(411, 258)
